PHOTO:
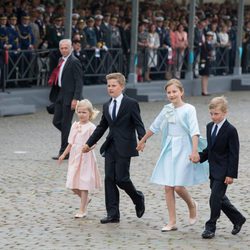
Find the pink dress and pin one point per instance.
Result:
(83, 173)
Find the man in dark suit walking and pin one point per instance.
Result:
(222, 153)
(121, 115)
(67, 82)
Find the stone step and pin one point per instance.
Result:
(154, 93)
(240, 84)
(153, 97)
(245, 81)
(17, 109)
(150, 90)
(147, 86)
(133, 92)
(10, 100)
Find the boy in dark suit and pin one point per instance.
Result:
(222, 153)
(121, 114)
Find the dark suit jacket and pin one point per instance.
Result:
(99, 34)
(223, 155)
(106, 31)
(81, 56)
(198, 37)
(72, 82)
(122, 129)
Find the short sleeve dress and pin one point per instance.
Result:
(83, 173)
(173, 167)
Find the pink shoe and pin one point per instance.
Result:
(168, 228)
(80, 215)
(83, 214)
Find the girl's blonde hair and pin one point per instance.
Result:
(87, 104)
(175, 82)
(219, 102)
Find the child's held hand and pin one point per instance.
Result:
(194, 157)
(140, 146)
(229, 180)
(86, 148)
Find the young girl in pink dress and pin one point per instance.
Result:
(83, 175)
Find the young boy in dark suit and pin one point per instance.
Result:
(222, 153)
(121, 114)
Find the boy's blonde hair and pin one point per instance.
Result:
(87, 104)
(117, 76)
(175, 82)
(219, 102)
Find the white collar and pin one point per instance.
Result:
(220, 123)
(118, 98)
(66, 57)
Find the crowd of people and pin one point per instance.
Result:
(162, 33)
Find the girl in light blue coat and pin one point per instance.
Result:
(180, 144)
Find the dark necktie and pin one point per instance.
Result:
(55, 74)
(114, 111)
(213, 136)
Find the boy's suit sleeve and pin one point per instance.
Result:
(203, 155)
(98, 132)
(233, 161)
(138, 121)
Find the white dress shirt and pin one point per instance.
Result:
(61, 70)
(219, 126)
(118, 104)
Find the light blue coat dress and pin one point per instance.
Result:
(173, 167)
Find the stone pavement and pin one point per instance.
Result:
(36, 210)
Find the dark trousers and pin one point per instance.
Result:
(62, 120)
(117, 175)
(219, 201)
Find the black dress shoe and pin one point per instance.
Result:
(208, 234)
(237, 227)
(57, 157)
(109, 219)
(140, 208)
(51, 108)
(205, 94)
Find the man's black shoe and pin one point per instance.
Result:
(140, 208)
(51, 108)
(109, 219)
(207, 234)
(57, 157)
(237, 227)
